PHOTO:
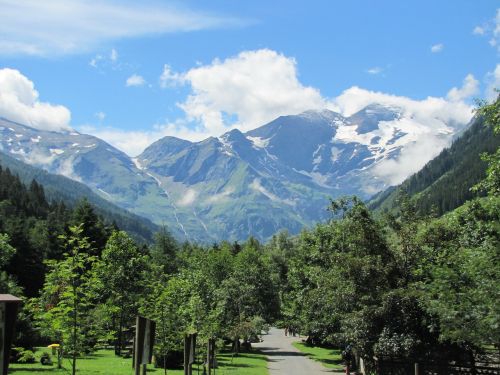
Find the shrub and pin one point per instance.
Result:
(26, 356)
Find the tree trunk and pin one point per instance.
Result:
(118, 349)
(236, 345)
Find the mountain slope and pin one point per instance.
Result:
(445, 182)
(278, 176)
(60, 188)
(108, 172)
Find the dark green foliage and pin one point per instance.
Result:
(491, 183)
(92, 226)
(34, 226)
(462, 285)
(122, 273)
(164, 251)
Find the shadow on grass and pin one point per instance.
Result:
(34, 369)
(320, 357)
(226, 360)
(337, 362)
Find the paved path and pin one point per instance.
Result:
(284, 359)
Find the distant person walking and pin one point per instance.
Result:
(286, 331)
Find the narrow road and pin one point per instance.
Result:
(284, 359)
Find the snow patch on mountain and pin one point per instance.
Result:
(56, 151)
(258, 142)
(137, 163)
(226, 148)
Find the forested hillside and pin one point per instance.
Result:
(446, 181)
(62, 189)
(34, 225)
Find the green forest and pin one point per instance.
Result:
(409, 282)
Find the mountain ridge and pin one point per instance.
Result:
(277, 176)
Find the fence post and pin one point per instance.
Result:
(417, 368)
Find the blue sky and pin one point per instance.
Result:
(235, 63)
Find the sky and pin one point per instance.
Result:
(132, 72)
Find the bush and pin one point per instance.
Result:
(26, 356)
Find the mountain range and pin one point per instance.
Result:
(278, 176)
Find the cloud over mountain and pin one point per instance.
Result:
(19, 101)
(251, 89)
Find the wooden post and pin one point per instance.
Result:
(143, 344)
(187, 346)
(137, 349)
(417, 368)
(211, 356)
(209, 367)
(192, 353)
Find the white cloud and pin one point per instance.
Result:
(133, 142)
(469, 88)
(493, 81)
(113, 55)
(94, 62)
(478, 30)
(66, 169)
(39, 157)
(188, 198)
(135, 80)
(169, 78)
(103, 61)
(100, 115)
(130, 142)
(220, 197)
(253, 88)
(355, 98)
(437, 48)
(412, 158)
(48, 28)
(19, 101)
(491, 30)
(257, 186)
(375, 70)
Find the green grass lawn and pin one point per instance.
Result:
(330, 358)
(105, 362)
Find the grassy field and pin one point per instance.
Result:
(105, 362)
(330, 358)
